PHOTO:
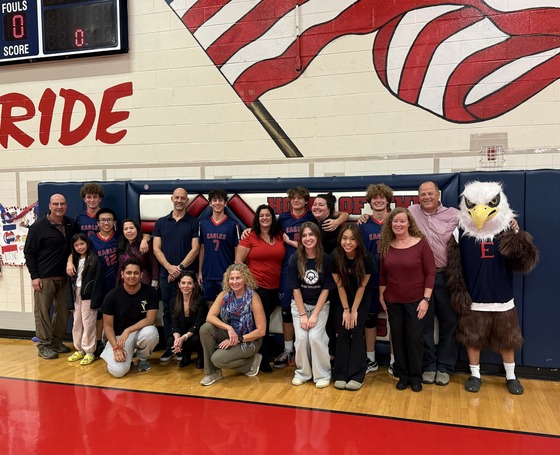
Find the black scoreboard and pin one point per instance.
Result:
(32, 30)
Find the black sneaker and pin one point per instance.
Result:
(47, 353)
(265, 365)
(286, 358)
(99, 349)
(371, 366)
(60, 348)
(166, 356)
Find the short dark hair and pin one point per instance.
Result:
(298, 191)
(106, 210)
(131, 261)
(217, 194)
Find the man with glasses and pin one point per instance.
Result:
(105, 244)
(46, 249)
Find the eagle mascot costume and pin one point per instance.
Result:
(483, 252)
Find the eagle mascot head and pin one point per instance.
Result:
(484, 210)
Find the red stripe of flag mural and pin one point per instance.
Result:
(463, 61)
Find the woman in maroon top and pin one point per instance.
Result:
(406, 280)
(129, 248)
(263, 251)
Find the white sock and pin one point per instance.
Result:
(289, 346)
(475, 370)
(392, 359)
(371, 356)
(510, 370)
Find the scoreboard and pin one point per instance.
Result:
(33, 30)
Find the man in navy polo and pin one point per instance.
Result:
(176, 248)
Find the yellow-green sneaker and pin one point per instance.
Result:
(88, 359)
(78, 355)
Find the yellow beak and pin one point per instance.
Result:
(482, 213)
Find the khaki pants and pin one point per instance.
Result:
(235, 357)
(54, 293)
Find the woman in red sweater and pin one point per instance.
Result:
(263, 251)
(406, 280)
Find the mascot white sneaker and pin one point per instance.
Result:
(485, 250)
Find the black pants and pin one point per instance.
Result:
(350, 359)
(270, 300)
(443, 356)
(408, 343)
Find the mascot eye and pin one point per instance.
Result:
(469, 204)
(495, 201)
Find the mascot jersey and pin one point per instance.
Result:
(489, 280)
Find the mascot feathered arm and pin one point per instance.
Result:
(460, 299)
(519, 251)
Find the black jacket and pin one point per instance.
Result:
(46, 250)
(92, 284)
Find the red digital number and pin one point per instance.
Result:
(18, 26)
(79, 40)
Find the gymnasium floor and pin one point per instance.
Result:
(53, 407)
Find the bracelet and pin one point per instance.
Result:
(303, 314)
(115, 349)
(346, 308)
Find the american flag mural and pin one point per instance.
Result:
(463, 61)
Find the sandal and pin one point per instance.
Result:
(78, 355)
(89, 358)
(473, 384)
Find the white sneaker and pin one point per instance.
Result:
(255, 366)
(210, 379)
(322, 383)
(297, 381)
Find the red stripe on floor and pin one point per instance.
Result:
(46, 418)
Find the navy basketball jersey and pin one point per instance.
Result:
(106, 250)
(290, 224)
(371, 233)
(88, 223)
(220, 241)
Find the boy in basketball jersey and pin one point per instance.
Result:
(218, 239)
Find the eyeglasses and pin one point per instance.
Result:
(106, 220)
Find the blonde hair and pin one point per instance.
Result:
(387, 234)
(250, 282)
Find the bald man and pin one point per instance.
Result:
(46, 250)
(176, 248)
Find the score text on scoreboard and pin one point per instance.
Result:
(32, 30)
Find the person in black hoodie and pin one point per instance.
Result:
(84, 299)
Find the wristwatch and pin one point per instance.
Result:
(241, 339)
(427, 299)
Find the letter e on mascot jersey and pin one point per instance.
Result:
(483, 253)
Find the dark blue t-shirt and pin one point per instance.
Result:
(313, 282)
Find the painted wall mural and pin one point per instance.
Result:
(67, 103)
(462, 61)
